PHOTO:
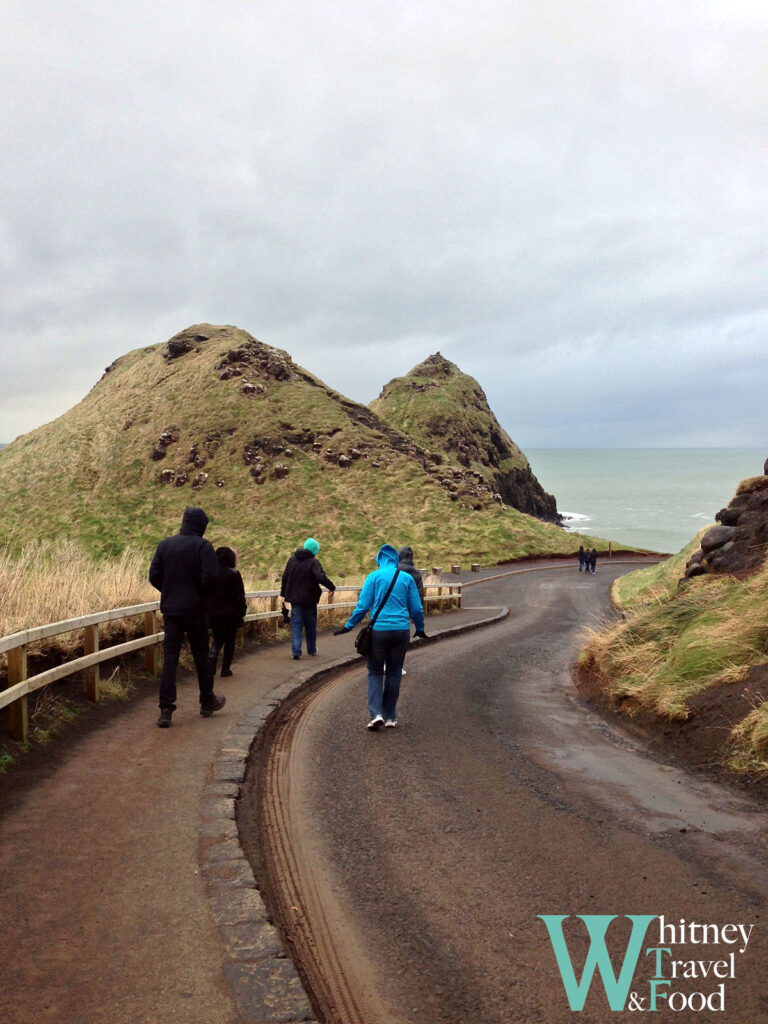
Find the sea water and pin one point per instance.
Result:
(651, 498)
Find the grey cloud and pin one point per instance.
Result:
(543, 191)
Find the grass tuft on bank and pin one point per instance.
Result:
(676, 641)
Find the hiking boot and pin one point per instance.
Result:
(226, 671)
(164, 721)
(375, 723)
(215, 704)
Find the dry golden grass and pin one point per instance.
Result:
(675, 642)
(749, 742)
(54, 580)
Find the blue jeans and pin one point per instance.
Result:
(304, 616)
(385, 669)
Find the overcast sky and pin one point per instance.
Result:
(564, 197)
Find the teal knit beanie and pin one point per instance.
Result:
(311, 545)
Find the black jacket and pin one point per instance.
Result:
(302, 577)
(185, 568)
(405, 564)
(227, 599)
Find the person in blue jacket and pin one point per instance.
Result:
(390, 635)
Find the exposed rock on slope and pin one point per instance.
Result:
(740, 541)
(447, 412)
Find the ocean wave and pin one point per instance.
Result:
(576, 516)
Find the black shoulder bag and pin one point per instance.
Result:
(363, 638)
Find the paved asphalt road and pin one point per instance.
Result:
(426, 853)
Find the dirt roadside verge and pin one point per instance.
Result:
(700, 743)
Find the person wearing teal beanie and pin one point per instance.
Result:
(300, 587)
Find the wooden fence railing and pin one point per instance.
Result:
(14, 697)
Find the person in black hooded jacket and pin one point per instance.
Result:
(184, 569)
(300, 587)
(405, 564)
(226, 610)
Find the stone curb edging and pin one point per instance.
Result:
(264, 981)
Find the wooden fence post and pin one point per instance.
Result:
(91, 674)
(18, 716)
(151, 659)
(273, 607)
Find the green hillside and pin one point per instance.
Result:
(217, 419)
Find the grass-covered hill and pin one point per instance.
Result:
(689, 657)
(446, 411)
(218, 419)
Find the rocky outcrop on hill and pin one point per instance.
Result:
(740, 540)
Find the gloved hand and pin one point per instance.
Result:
(338, 632)
(421, 635)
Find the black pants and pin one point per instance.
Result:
(195, 628)
(224, 633)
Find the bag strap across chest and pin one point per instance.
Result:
(386, 596)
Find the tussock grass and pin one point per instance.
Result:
(656, 583)
(49, 581)
(674, 642)
(750, 742)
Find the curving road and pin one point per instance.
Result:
(407, 868)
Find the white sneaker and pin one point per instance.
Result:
(403, 672)
(376, 723)
(390, 723)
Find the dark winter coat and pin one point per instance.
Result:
(405, 564)
(184, 567)
(227, 599)
(302, 577)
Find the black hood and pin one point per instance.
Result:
(303, 553)
(194, 521)
(405, 554)
(226, 557)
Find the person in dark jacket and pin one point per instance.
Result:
(300, 587)
(593, 561)
(405, 564)
(390, 634)
(184, 569)
(226, 610)
(583, 557)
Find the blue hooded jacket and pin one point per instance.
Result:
(403, 604)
